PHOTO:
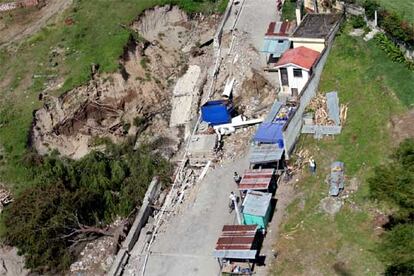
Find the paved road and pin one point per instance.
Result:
(185, 245)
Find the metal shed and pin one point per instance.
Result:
(265, 153)
(256, 208)
(257, 180)
(237, 242)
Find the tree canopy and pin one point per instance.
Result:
(47, 221)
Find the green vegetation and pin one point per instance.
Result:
(289, 10)
(375, 89)
(392, 184)
(391, 21)
(48, 220)
(357, 21)
(393, 51)
(63, 53)
(403, 7)
(56, 197)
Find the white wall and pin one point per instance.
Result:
(295, 82)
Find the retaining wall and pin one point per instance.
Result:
(293, 127)
(133, 234)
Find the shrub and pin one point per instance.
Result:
(392, 50)
(370, 7)
(357, 22)
(47, 222)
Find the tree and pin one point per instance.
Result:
(393, 183)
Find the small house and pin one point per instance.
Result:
(295, 69)
(257, 208)
(276, 40)
(315, 30)
(237, 248)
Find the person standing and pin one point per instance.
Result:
(237, 178)
(312, 165)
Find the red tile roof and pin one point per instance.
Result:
(302, 57)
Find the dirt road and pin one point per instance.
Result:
(33, 22)
(184, 245)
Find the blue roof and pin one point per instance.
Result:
(270, 133)
(216, 112)
(275, 46)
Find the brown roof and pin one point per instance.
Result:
(256, 179)
(236, 237)
(284, 28)
(317, 25)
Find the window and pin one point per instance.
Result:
(284, 76)
(297, 73)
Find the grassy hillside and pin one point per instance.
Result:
(375, 88)
(90, 32)
(403, 7)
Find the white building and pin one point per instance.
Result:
(295, 68)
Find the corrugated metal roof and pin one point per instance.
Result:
(275, 46)
(265, 153)
(280, 28)
(236, 241)
(332, 102)
(256, 179)
(256, 203)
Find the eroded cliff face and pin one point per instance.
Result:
(135, 101)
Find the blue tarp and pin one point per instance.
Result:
(276, 47)
(216, 112)
(270, 133)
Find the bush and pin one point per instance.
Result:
(393, 51)
(47, 222)
(358, 22)
(370, 7)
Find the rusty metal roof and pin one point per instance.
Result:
(256, 179)
(281, 28)
(236, 242)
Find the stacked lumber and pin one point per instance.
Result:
(318, 104)
(343, 113)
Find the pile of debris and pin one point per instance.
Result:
(5, 197)
(320, 108)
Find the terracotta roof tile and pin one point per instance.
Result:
(301, 57)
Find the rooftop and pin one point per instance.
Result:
(317, 25)
(281, 28)
(256, 179)
(237, 242)
(256, 203)
(302, 57)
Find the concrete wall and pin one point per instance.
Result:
(314, 45)
(133, 234)
(293, 128)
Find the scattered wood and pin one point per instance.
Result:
(319, 106)
(5, 197)
(343, 113)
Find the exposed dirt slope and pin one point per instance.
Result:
(133, 101)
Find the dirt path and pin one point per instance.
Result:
(32, 23)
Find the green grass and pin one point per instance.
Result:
(289, 10)
(375, 89)
(403, 7)
(98, 36)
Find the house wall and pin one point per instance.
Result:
(314, 45)
(294, 82)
